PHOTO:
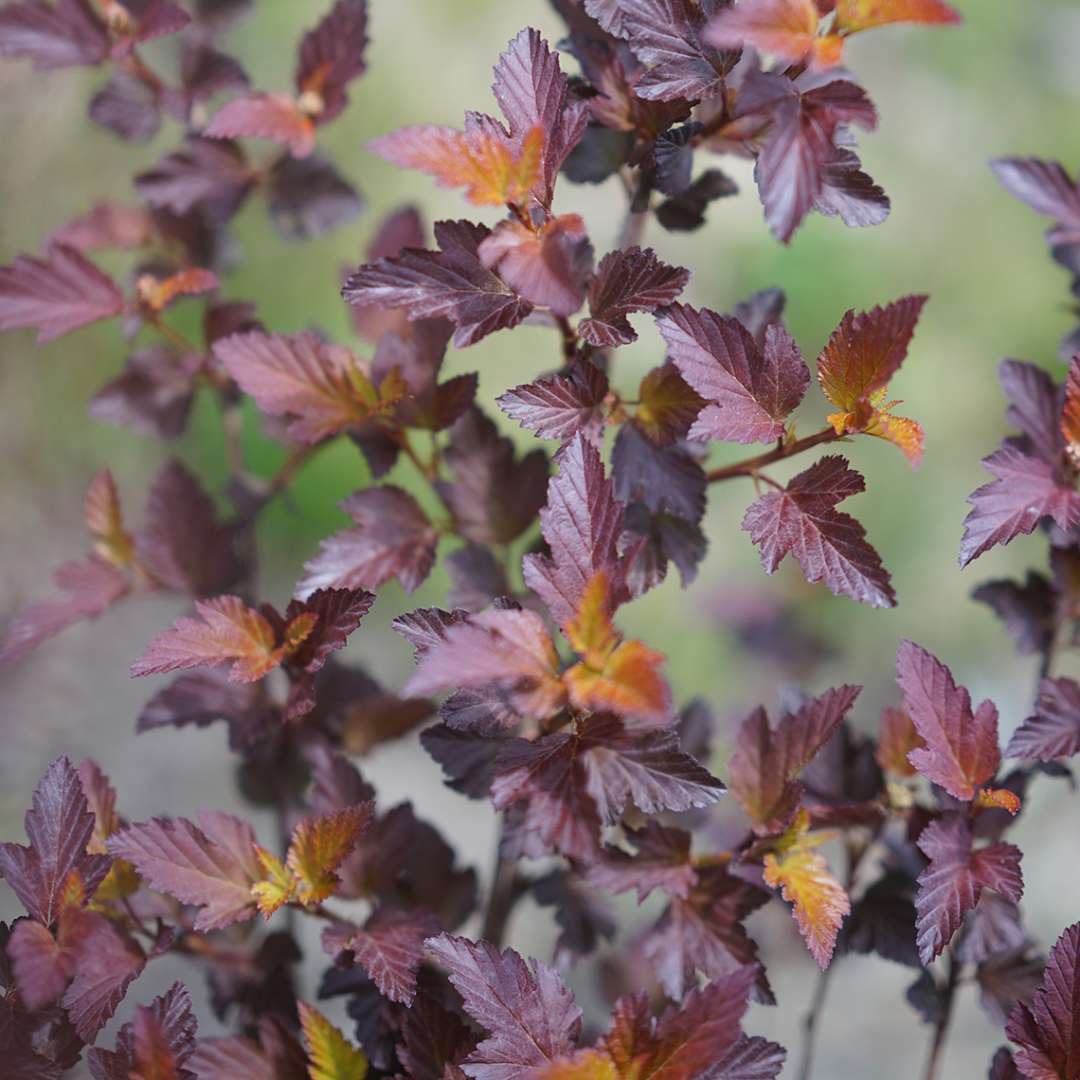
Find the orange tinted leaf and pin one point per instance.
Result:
(1070, 416)
(319, 846)
(330, 1055)
(803, 877)
(584, 1065)
(998, 799)
(855, 15)
(277, 887)
(158, 293)
(227, 629)
(906, 434)
(785, 28)
(629, 683)
(591, 632)
(897, 739)
(105, 521)
(482, 160)
(265, 116)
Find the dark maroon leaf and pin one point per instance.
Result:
(750, 391)
(686, 212)
(56, 294)
(882, 921)
(1024, 491)
(951, 885)
(493, 496)
(664, 478)
(451, 283)
(559, 406)
(529, 1015)
(705, 933)
(1026, 610)
(183, 545)
(59, 827)
(850, 194)
(152, 396)
(1047, 1031)
(467, 758)
(1034, 408)
(308, 197)
(1003, 1067)
(128, 106)
(477, 578)
(392, 539)
(830, 546)
(626, 281)
(661, 861)
(751, 1058)
(583, 917)
(206, 171)
(1054, 731)
(64, 34)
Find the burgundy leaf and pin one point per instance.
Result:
(751, 1058)
(961, 751)
(529, 1015)
(581, 523)
(1034, 408)
(183, 545)
(392, 539)
(212, 867)
(390, 948)
(750, 391)
(766, 760)
(559, 406)
(92, 587)
(829, 546)
(951, 885)
(533, 92)
(1048, 189)
(205, 172)
(666, 35)
(664, 478)
(1054, 731)
(493, 496)
(59, 826)
(107, 225)
(308, 197)
(1024, 491)
(56, 294)
(152, 396)
(626, 281)
(661, 861)
(64, 34)
(451, 283)
(1026, 610)
(128, 106)
(332, 55)
(1048, 1031)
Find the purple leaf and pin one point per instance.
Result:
(559, 406)
(1054, 731)
(65, 34)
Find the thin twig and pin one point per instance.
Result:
(810, 1021)
(783, 450)
(632, 229)
(941, 1028)
(502, 896)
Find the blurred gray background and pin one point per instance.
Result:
(1007, 82)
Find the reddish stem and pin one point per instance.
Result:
(752, 466)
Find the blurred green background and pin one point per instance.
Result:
(1006, 82)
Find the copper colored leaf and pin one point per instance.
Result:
(1054, 731)
(212, 867)
(56, 294)
(105, 521)
(766, 760)
(64, 34)
(854, 15)
(156, 294)
(265, 116)
(784, 28)
(1047, 1032)
(749, 392)
(951, 885)
(961, 751)
(667, 405)
(320, 845)
(480, 160)
(627, 281)
(1024, 491)
(450, 283)
(227, 630)
(529, 1016)
(803, 876)
(55, 867)
(392, 538)
(319, 384)
(330, 1055)
(830, 546)
(898, 737)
